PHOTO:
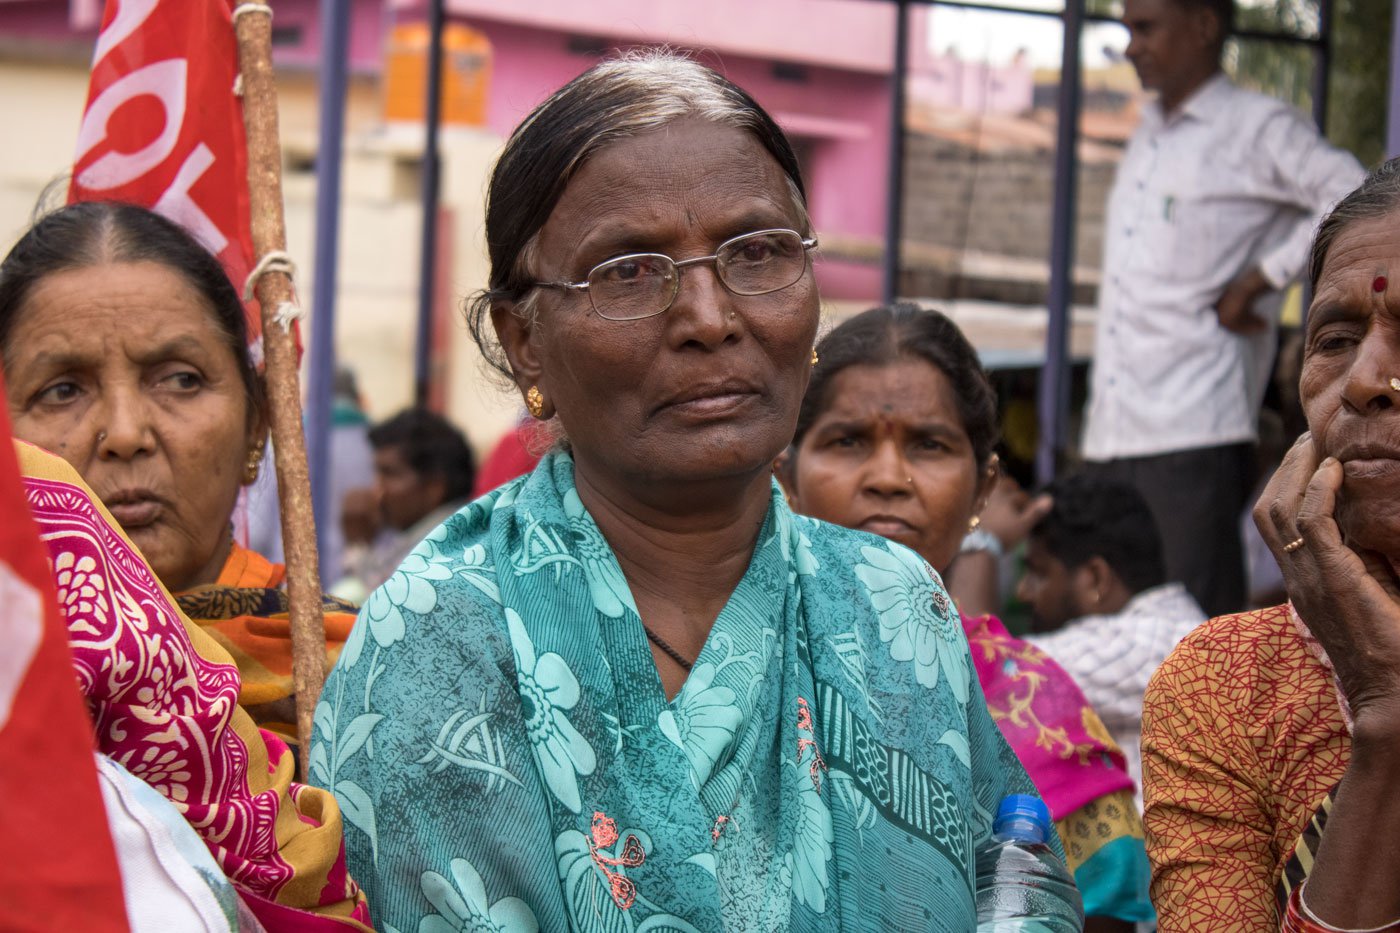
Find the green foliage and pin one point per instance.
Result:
(1360, 74)
(1360, 77)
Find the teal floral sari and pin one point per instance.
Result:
(505, 757)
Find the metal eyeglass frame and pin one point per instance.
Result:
(808, 244)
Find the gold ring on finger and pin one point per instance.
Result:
(1293, 545)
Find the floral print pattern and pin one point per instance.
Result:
(916, 620)
(548, 690)
(411, 588)
(605, 581)
(462, 905)
(703, 723)
(811, 850)
(526, 750)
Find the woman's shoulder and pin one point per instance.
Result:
(1253, 661)
(1243, 638)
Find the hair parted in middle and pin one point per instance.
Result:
(905, 331)
(617, 99)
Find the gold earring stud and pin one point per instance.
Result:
(972, 525)
(815, 359)
(250, 467)
(534, 402)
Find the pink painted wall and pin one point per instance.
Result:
(43, 21)
(835, 105)
(838, 119)
(73, 24)
(854, 35)
(367, 34)
(977, 87)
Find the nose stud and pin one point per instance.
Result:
(1394, 384)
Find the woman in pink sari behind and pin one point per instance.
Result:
(896, 437)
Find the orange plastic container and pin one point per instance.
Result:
(466, 74)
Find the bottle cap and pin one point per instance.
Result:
(1024, 817)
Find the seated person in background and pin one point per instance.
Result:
(895, 437)
(1100, 604)
(423, 472)
(125, 351)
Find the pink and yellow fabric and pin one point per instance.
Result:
(1074, 763)
(163, 700)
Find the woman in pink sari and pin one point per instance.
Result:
(895, 437)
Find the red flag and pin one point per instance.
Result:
(59, 869)
(163, 126)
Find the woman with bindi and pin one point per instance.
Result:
(896, 437)
(1271, 739)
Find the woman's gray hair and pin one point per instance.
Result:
(618, 99)
(1377, 196)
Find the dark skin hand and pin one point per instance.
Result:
(1235, 309)
(1010, 514)
(359, 516)
(1350, 600)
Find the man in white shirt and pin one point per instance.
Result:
(1211, 215)
(1100, 603)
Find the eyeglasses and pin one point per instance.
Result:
(642, 285)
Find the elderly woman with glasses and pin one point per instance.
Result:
(632, 690)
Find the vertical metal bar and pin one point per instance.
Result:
(1322, 64)
(427, 278)
(1053, 404)
(1392, 123)
(335, 47)
(894, 184)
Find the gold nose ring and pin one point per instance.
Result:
(1395, 384)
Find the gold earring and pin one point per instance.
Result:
(815, 359)
(250, 468)
(534, 402)
(972, 525)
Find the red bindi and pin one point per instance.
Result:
(1378, 284)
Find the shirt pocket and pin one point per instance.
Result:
(1189, 224)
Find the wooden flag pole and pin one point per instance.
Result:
(253, 27)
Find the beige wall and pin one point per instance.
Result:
(378, 274)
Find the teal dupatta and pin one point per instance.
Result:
(504, 754)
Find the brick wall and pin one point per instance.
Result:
(998, 205)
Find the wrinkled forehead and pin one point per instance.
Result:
(1360, 273)
(690, 174)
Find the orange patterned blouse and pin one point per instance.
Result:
(1242, 738)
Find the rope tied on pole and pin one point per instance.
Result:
(276, 260)
(243, 8)
(272, 284)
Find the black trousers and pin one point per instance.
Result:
(1197, 497)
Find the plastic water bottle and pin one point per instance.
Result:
(1021, 883)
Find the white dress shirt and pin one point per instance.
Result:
(1112, 657)
(1231, 180)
